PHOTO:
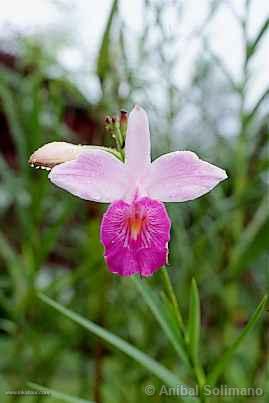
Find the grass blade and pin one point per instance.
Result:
(193, 332)
(9, 107)
(228, 354)
(104, 60)
(58, 395)
(253, 45)
(147, 362)
(194, 322)
(248, 237)
(173, 333)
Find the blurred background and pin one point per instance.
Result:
(201, 70)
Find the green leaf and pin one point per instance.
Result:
(259, 246)
(5, 171)
(51, 234)
(249, 238)
(172, 297)
(147, 362)
(194, 322)
(165, 316)
(253, 45)
(194, 330)
(14, 267)
(253, 112)
(10, 109)
(220, 366)
(58, 395)
(103, 61)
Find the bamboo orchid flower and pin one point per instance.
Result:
(135, 230)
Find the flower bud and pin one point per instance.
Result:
(108, 120)
(123, 122)
(123, 116)
(114, 120)
(54, 153)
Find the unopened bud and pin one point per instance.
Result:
(123, 122)
(123, 116)
(55, 153)
(114, 120)
(108, 120)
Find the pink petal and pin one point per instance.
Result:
(137, 145)
(180, 176)
(135, 237)
(95, 175)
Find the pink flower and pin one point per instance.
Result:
(135, 230)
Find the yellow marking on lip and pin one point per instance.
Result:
(135, 224)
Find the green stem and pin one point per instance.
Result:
(119, 138)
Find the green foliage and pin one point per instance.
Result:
(104, 57)
(194, 322)
(166, 376)
(228, 354)
(58, 395)
(168, 331)
(165, 316)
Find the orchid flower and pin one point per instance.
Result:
(135, 230)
